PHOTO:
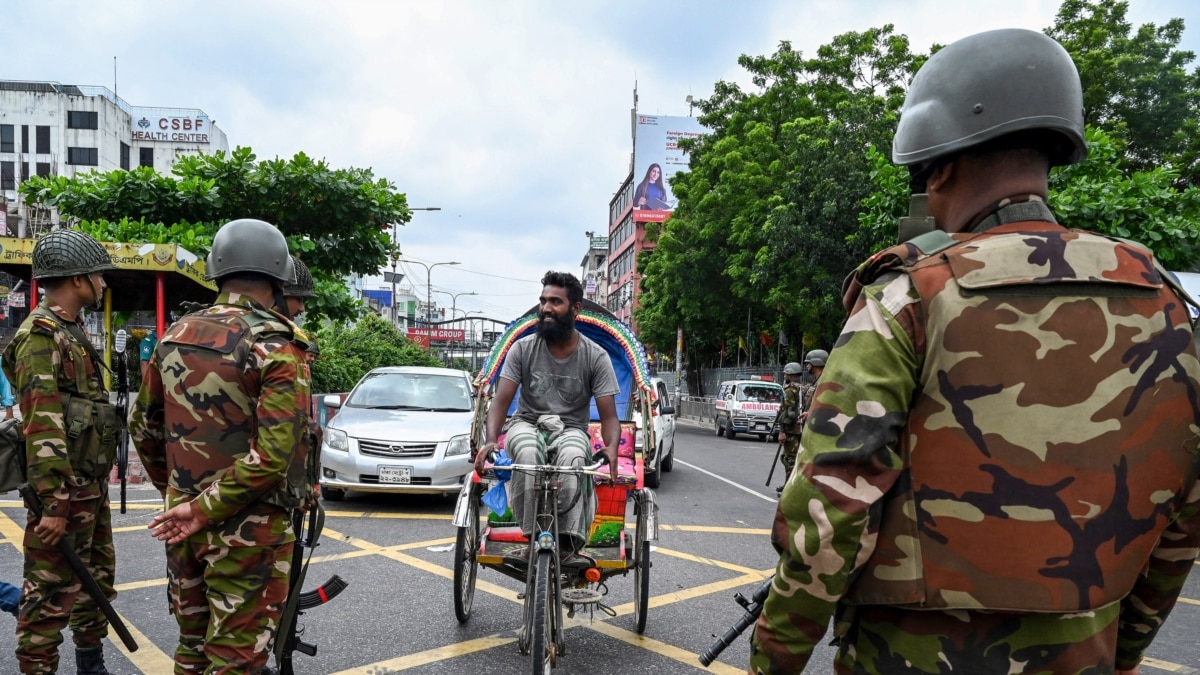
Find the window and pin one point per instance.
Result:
(43, 169)
(24, 171)
(83, 156)
(6, 138)
(146, 157)
(81, 119)
(7, 175)
(43, 140)
(124, 156)
(24, 138)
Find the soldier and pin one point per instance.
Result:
(70, 440)
(218, 425)
(814, 365)
(789, 418)
(1000, 473)
(296, 295)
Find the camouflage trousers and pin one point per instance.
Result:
(883, 639)
(227, 601)
(53, 598)
(791, 447)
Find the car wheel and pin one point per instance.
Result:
(333, 494)
(668, 462)
(762, 437)
(653, 478)
(720, 431)
(730, 433)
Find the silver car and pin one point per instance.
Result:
(403, 429)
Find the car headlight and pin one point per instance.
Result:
(459, 445)
(337, 439)
(739, 414)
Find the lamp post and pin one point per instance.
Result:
(429, 284)
(395, 259)
(454, 301)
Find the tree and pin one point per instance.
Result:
(347, 355)
(336, 220)
(1135, 84)
(767, 217)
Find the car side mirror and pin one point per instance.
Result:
(333, 401)
(667, 410)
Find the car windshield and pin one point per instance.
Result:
(760, 394)
(411, 391)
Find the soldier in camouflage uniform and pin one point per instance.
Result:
(814, 365)
(219, 424)
(296, 295)
(789, 418)
(70, 439)
(1000, 473)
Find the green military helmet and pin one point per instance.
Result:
(989, 85)
(304, 287)
(816, 357)
(65, 253)
(793, 368)
(248, 245)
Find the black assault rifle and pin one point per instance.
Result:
(81, 571)
(288, 638)
(753, 608)
(122, 373)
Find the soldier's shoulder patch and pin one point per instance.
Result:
(42, 324)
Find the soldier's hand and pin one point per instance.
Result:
(50, 529)
(178, 523)
(782, 437)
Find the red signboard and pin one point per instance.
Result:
(438, 334)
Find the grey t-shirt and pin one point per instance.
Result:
(563, 387)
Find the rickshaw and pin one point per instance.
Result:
(487, 539)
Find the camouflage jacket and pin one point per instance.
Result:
(1030, 400)
(221, 419)
(789, 410)
(44, 362)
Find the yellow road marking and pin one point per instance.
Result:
(1189, 601)
(714, 529)
(148, 658)
(705, 561)
(1169, 667)
(661, 648)
(13, 533)
(431, 656)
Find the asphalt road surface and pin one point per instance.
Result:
(397, 614)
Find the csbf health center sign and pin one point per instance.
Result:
(657, 157)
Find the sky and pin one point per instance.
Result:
(512, 117)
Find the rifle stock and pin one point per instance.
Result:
(81, 571)
(753, 608)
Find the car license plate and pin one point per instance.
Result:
(760, 425)
(395, 474)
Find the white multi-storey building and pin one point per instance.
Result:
(48, 129)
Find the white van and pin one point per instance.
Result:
(748, 407)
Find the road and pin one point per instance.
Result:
(397, 616)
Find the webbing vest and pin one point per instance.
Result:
(1053, 431)
(214, 349)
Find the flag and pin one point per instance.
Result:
(722, 348)
(742, 345)
(765, 339)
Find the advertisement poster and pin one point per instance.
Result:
(656, 158)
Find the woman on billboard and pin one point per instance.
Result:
(650, 193)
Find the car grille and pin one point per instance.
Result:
(388, 449)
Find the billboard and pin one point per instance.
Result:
(438, 334)
(656, 157)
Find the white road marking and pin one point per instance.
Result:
(722, 478)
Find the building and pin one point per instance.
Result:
(594, 270)
(625, 239)
(52, 129)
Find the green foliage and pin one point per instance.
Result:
(336, 220)
(1135, 84)
(348, 354)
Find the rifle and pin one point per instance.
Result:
(122, 411)
(753, 608)
(81, 571)
(288, 638)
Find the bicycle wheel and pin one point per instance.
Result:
(466, 547)
(641, 575)
(541, 626)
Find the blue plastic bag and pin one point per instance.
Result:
(496, 499)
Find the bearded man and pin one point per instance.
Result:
(559, 372)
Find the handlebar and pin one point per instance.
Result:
(592, 469)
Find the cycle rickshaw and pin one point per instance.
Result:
(615, 549)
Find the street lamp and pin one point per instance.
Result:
(395, 258)
(454, 301)
(429, 284)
